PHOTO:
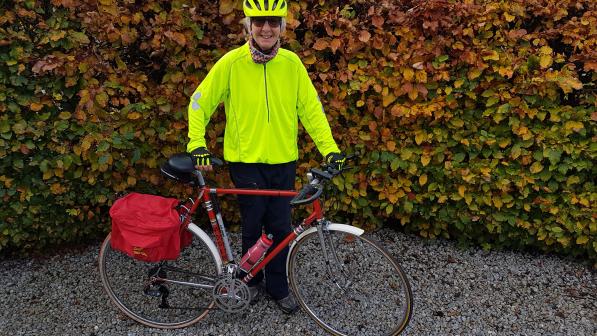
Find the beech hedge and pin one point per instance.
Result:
(473, 120)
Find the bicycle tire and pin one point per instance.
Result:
(125, 280)
(375, 299)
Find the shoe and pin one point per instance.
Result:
(288, 304)
(254, 294)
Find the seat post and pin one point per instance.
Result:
(199, 176)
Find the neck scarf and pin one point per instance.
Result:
(259, 56)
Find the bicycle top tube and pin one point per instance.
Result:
(255, 192)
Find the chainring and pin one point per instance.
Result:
(231, 294)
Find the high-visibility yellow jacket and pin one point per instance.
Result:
(263, 103)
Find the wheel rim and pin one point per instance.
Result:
(372, 295)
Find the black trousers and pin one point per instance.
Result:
(266, 213)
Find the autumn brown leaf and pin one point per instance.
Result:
(335, 44)
(48, 63)
(364, 36)
(226, 6)
(418, 65)
(391, 146)
(408, 74)
(36, 107)
(516, 34)
(377, 21)
(309, 59)
(388, 99)
(57, 35)
(176, 37)
(320, 44)
(179, 125)
(134, 115)
(590, 66)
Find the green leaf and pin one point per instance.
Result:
(563, 168)
(103, 146)
(572, 180)
(504, 108)
(394, 164)
(405, 154)
(198, 31)
(389, 209)
(442, 58)
(19, 127)
(67, 160)
(538, 155)
(136, 155)
(553, 155)
(103, 159)
(18, 164)
(459, 157)
(492, 101)
(4, 126)
(408, 206)
(432, 186)
(43, 166)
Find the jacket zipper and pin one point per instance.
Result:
(266, 98)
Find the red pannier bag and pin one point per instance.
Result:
(147, 227)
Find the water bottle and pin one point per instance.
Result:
(256, 252)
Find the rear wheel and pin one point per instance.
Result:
(363, 291)
(145, 291)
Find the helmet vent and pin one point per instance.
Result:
(258, 5)
(248, 4)
(283, 4)
(275, 4)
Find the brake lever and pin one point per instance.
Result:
(325, 174)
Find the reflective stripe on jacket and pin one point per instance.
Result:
(263, 103)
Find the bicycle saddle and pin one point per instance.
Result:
(179, 167)
(182, 162)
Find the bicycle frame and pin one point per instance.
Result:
(221, 236)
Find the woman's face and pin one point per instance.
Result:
(266, 31)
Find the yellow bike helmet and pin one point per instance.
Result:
(265, 8)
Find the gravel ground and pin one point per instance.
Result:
(457, 292)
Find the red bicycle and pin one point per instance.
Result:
(346, 282)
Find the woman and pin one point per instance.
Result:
(265, 90)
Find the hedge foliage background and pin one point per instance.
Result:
(475, 119)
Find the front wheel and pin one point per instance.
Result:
(167, 294)
(358, 289)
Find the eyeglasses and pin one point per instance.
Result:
(260, 21)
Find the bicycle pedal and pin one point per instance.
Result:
(156, 291)
(152, 292)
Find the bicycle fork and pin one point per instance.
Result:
(325, 240)
(339, 275)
